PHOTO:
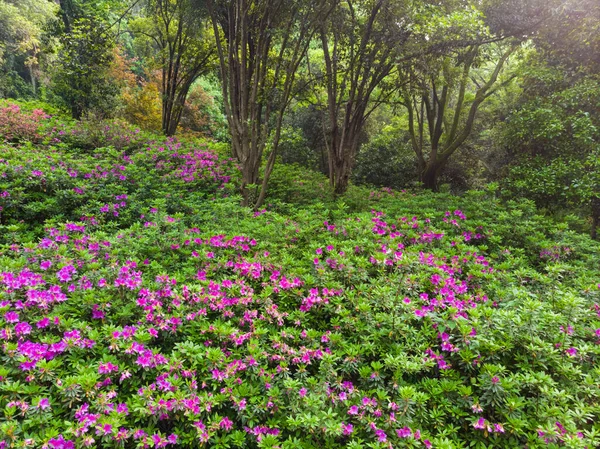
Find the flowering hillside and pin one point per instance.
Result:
(150, 310)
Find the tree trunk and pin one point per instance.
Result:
(341, 177)
(595, 218)
(76, 112)
(342, 152)
(32, 76)
(429, 176)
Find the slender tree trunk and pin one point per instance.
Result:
(65, 10)
(595, 218)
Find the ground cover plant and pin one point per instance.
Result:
(141, 306)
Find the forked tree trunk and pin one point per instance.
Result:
(257, 86)
(430, 111)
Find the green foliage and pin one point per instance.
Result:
(21, 34)
(80, 78)
(177, 41)
(387, 160)
(203, 110)
(555, 140)
(154, 310)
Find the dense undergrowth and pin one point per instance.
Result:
(141, 306)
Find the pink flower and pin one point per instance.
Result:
(65, 274)
(11, 317)
(572, 352)
(405, 432)
(23, 328)
(302, 392)
(381, 436)
(480, 424)
(44, 404)
(347, 429)
(226, 423)
(107, 368)
(44, 322)
(61, 443)
(353, 410)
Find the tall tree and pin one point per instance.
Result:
(181, 43)
(442, 96)
(363, 43)
(260, 44)
(80, 78)
(88, 37)
(359, 42)
(22, 24)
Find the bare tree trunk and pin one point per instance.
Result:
(429, 178)
(595, 218)
(32, 76)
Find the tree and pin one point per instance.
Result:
(363, 43)
(260, 44)
(181, 44)
(22, 25)
(359, 42)
(88, 37)
(81, 78)
(550, 139)
(442, 96)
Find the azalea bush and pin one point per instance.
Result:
(91, 133)
(38, 183)
(142, 307)
(17, 124)
(378, 330)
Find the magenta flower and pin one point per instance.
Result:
(44, 322)
(347, 429)
(480, 424)
(107, 368)
(65, 274)
(353, 410)
(381, 436)
(226, 423)
(23, 328)
(11, 317)
(44, 404)
(61, 443)
(405, 432)
(302, 392)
